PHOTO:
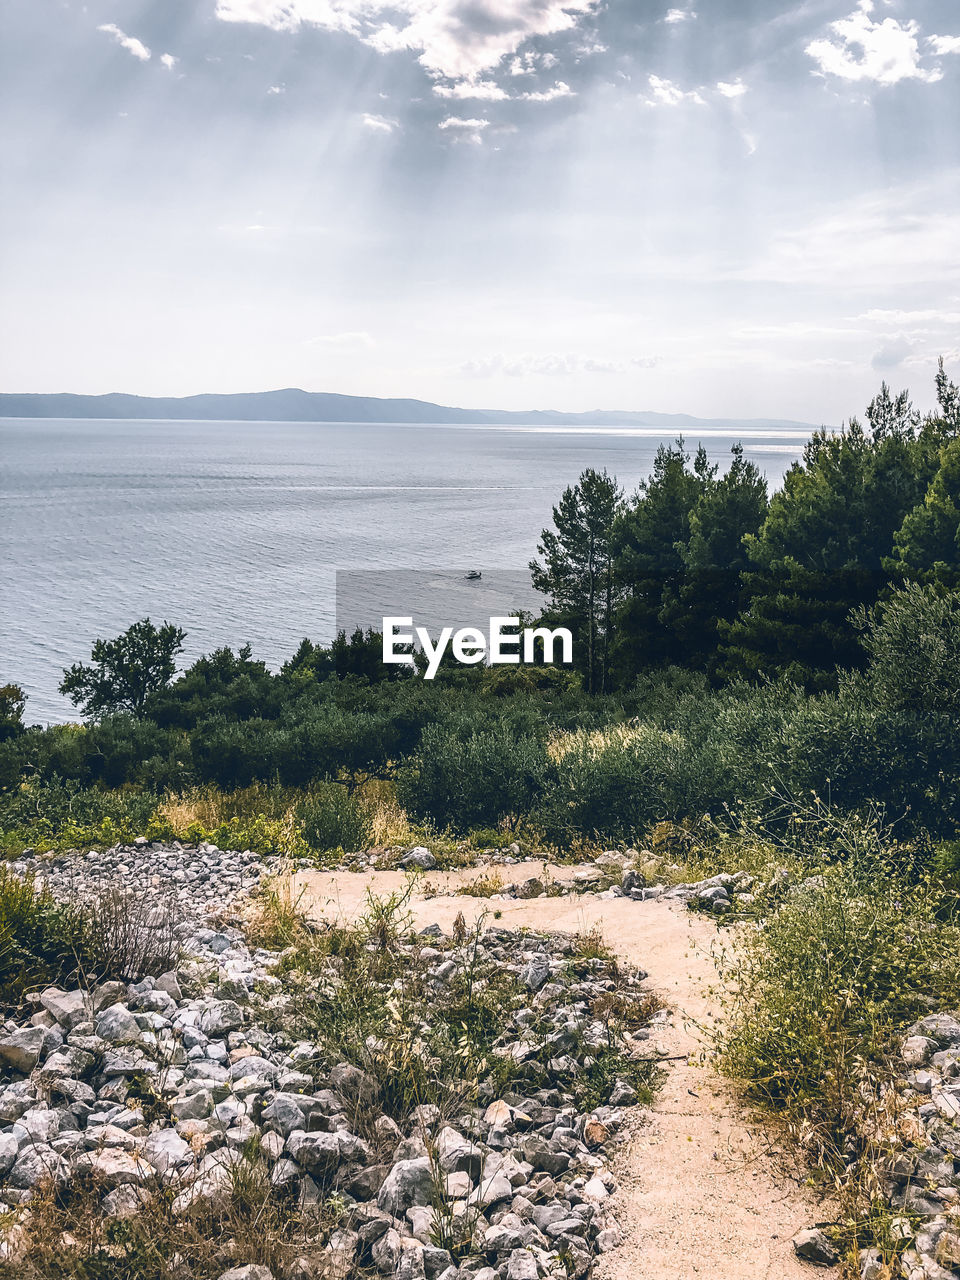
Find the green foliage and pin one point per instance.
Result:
(12, 703)
(927, 544)
(41, 941)
(820, 553)
(331, 817)
(577, 574)
(124, 671)
(465, 777)
(648, 542)
(818, 994)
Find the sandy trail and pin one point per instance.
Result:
(698, 1195)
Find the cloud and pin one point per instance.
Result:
(465, 130)
(168, 60)
(884, 52)
(735, 90)
(382, 124)
(882, 316)
(668, 94)
(944, 44)
(476, 89)
(276, 89)
(488, 90)
(130, 43)
(679, 15)
(559, 90)
(892, 354)
(458, 39)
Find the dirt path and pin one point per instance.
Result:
(698, 1196)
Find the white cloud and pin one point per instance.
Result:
(735, 90)
(168, 60)
(276, 89)
(559, 90)
(884, 52)
(679, 15)
(887, 317)
(490, 91)
(381, 124)
(465, 130)
(458, 39)
(668, 94)
(477, 89)
(944, 44)
(130, 43)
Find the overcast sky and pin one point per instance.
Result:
(735, 207)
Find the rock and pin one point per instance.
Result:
(22, 1049)
(948, 1249)
(9, 1146)
(220, 1018)
(126, 1201)
(813, 1245)
(38, 1164)
(409, 1183)
(165, 1150)
(250, 1272)
(917, 1051)
(113, 1168)
(68, 1007)
(322, 1154)
(353, 1084)
(419, 857)
(117, 1025)
(522, 1265)
(193, 1106)
(535, 974)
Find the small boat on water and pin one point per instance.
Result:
(473, 574)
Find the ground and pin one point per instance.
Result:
(701, 1192)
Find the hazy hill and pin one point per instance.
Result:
(292, 405)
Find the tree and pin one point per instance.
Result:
(124, 671)
(927, 544)
(648, 541)
(12, 703)
(577, 570)
(823, 546)
(714, 556)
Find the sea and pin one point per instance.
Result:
(267, 532)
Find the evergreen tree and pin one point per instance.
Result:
(648, 545)
(927, 544)
(820, 552)
(713, 559)
(576, 573)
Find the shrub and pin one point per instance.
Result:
(331, 817)
(462, 777)
(816, 995)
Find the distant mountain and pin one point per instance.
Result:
(293, 405)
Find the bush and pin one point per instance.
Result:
(818, 994)
(330, 817)
(462, 777)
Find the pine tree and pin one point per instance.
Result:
(821, 550)
(648, 545)
(713, 559)
(927, 544)
(576, 574)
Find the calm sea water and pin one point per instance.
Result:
(236, 530)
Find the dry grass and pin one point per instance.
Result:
(66, 1235)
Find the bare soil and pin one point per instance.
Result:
(702, 1194)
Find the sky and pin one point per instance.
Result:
(745, 208)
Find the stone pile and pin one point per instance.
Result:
(164, 1087)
